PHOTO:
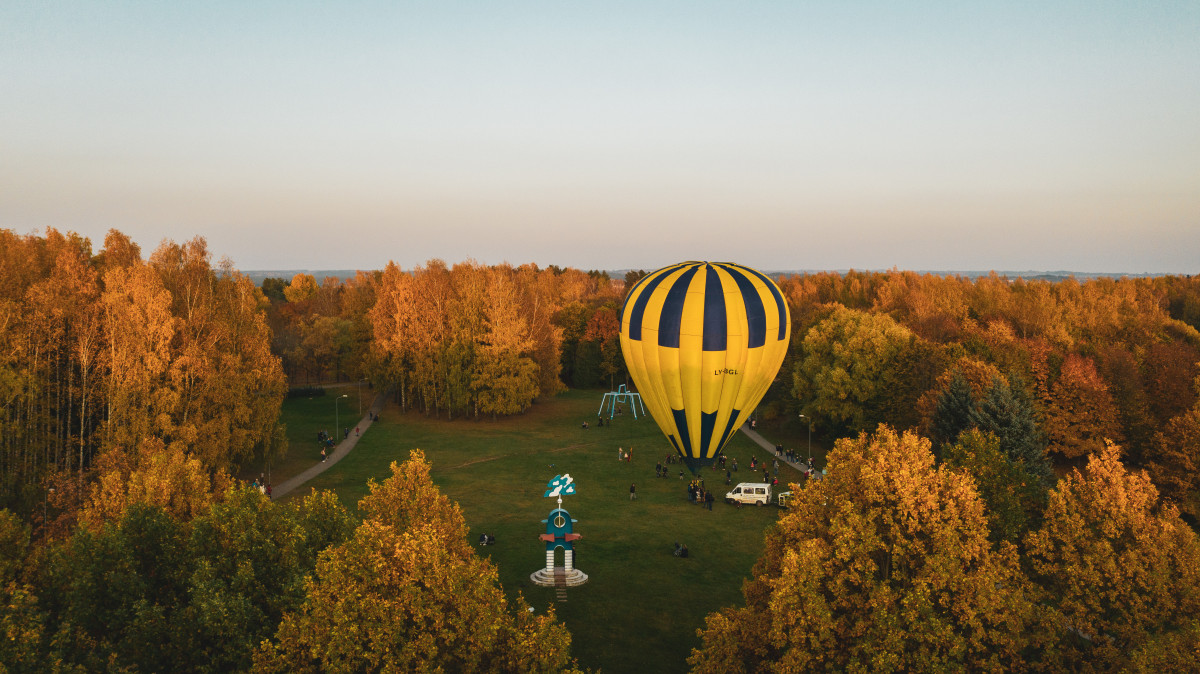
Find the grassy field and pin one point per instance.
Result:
(642, 606)
(303, 417)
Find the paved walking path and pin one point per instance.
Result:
(799, 465)
(340, 450)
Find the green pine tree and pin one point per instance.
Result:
(954, 413)
(1007, 412)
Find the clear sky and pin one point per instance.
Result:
(783, 135)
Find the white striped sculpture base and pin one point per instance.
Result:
(547, 577)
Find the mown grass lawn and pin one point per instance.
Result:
(641, 606)
(302, 418)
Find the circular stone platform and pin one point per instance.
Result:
(572, 578)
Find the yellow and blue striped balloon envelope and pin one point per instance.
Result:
(703, 342)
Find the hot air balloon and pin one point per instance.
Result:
(703, 342)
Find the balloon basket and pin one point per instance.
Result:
(695, 465)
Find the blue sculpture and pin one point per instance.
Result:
(560, 533)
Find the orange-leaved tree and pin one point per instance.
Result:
(1122, 568)
(408, 593)
(1174, 461)
(884, 565)
(1080, 415)
(152, 475)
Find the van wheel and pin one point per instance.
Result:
(760, 503)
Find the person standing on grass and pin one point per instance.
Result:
(633, 492)
(708, 500)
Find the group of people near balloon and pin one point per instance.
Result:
(698, 494)
(661, 470)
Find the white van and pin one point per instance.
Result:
(758, 493)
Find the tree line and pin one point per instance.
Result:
(462, 341)
(1071, 364)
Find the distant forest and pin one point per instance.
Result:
(132, 387)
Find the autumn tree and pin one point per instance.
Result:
(1121, 567)
(1170, 370)
(152, 475)
(931, 306)
(408, 497)
(22, 622)
(407, 592)
(579, 369)
(884, 565)
(540, 297)
(470, 339)
(273, 288)
(1121, 372)
(846, 357)
(302, 288)
(141, 328)
(250, 559)
(1080, 415)
(505, 379)
(914, 372)
(227, 386)
(604, 330)
(1174, 461)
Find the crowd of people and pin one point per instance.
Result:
(698, 494)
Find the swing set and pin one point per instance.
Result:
(621, 395)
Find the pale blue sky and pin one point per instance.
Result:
(783, 135)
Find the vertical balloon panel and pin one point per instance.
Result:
(703, 342)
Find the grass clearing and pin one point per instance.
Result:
(303, 417)
(641, 606)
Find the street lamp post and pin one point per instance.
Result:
(360, 381)
(337, 426)
(809, 437)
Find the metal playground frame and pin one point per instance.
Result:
(621, 395)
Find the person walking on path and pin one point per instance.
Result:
(330, 454)
(633, 492)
